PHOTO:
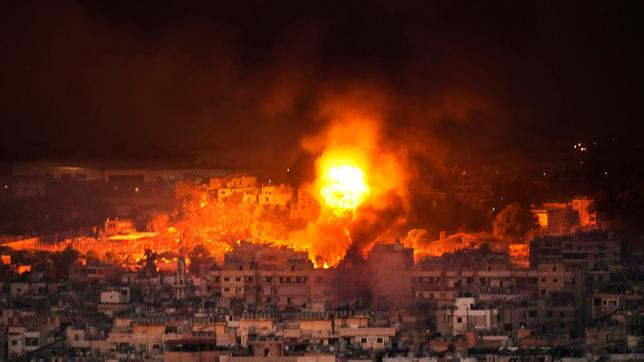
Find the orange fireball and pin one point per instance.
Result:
(343, 187)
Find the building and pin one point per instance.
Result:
(583, 205)
(560, 218)
(119, 296)
(464, 315)
(305, 206)
(279, 195)
(118, 227)
(29, 186)
(21, 340)
(580, 250)
(555, 218)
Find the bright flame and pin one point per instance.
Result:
(343, 188)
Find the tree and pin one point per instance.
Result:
(514, 223)
(65, 259)
(149, 261)
(199, 256)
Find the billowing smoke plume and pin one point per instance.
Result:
(271, 94)
(180, 82)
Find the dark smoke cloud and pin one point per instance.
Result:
(241, 82)
(373, 222)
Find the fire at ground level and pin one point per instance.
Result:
(392, 274)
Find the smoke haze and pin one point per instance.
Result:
(240, 84)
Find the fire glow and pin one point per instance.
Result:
(355, 200)
(344, 188)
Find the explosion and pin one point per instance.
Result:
(360, 183)
(358, 197)
(343, 188)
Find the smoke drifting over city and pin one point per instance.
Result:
(138, 77)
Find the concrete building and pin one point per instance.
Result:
(119, 296)
(279, 195)
(585, 250)
(24, 187)
(583, 205)
(21, 340)
(464, 315)
(305, 206)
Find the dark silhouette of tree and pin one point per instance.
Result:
(514, 223)
(149, 259)
(66, 258)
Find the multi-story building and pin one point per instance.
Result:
(22, 340)
(583, 205)
(29, 186)
(279, 195)
(464, 315)
(304, 207)
(580, 250)
(560, 218)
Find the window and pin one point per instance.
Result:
(379, 340)
(14, 343)
(238, 279)
(268, 279)
(363, 340)
(226, 289)
(597, 301)
(226, 279)
(459, 320)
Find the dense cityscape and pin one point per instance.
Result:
(550, 282)
(314, 182)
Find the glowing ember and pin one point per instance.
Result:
(344, 188)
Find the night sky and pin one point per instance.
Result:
(245, 81)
